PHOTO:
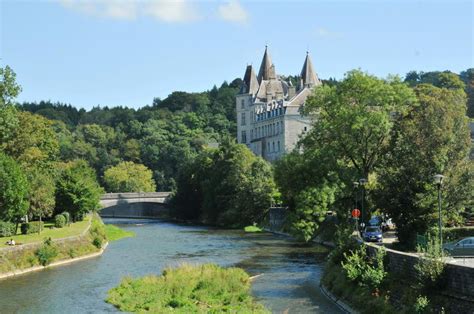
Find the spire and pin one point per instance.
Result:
(250, 80)
(267, 69)
(308, 75)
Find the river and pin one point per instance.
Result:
(290, 279)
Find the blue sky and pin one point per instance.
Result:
(105, 52)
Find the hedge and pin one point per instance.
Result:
(31, 227)
(7, 229)
(453, 234)
(59, 221)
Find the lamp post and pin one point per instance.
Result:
(438, 179)
(362, 182)
(356, 186)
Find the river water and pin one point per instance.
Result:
(289, 283)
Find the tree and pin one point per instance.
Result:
(9, 89)
(34, 141)
(431, 137)
(13, 190)
(77, 190)
(42, 193)
(354, 117)
(468, 78)
(129, 177)
(229, 186)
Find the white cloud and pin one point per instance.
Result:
(172, 11)
(325, 33)
(163, 10)
(233, 11)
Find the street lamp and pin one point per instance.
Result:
(356, 186)
(362, 182)
(438, 179)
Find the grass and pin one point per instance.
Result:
(115, 233)
(53, 233)
(187, 289)
(252, 229)
(79, 246)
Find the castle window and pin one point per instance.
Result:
(242, 104)
(251, 134)
(280, 111)
(244, 137)
(305, 129)
(268, 146)
(278, 145)
(273, 146)
(242, 120)
(273, 129)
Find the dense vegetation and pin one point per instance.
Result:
(393, 135)
(188, 289)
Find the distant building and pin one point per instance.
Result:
(268, 109)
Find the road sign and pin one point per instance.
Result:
(355, 213)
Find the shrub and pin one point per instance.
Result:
(67, 216)
(32, 227)
(421, 304)
(97, 242)
(47, 252)
(364, 270)
(59, 221)
(7, 229)
(453, 234)
(430, 266)
(188, 289)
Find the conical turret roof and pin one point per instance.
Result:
(250, 80)
(308, 75)
(267, 69)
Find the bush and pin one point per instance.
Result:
(188, 289)
(32, 227)
(59, 221)
(453, 234)
(7, 229)
(47, 252)
(67, 216)
(97, 242)
(364, 270)
(430, 267)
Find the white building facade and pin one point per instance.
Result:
(269, 121)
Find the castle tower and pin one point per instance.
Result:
(308, 75)
(267, 69)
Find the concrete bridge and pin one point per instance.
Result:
(135, 205)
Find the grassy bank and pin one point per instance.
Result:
(50, 251)
(115, 233)
(73, 229)
(188, 289)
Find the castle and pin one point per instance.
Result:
(268, 109)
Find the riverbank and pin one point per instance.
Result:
(32, 257)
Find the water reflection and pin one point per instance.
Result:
(291, 272)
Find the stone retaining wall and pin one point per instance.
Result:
(460, 278)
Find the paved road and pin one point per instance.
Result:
(468, 261)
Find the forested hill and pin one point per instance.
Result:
(161, 136)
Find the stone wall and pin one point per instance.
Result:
(460, 278)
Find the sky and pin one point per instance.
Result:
(126, 52)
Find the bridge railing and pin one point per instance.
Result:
(112, 196)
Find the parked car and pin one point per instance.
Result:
(464, 247)
(372, 233)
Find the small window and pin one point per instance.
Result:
(242, 120)
(273, 144)
(305, 129)
(242, 104)
(278, 145)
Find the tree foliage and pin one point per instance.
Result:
(77, 190)
(431, 137)
(13, 190)
(129, 177)
(229, 186)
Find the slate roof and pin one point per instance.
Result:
(308, 75)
